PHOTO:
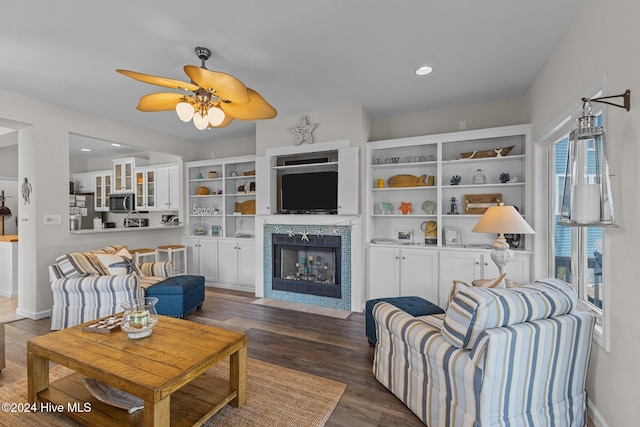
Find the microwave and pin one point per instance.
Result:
(122, 202)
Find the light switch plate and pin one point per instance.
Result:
(52, 219)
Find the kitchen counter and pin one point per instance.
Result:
(9, 238)
(127, 229)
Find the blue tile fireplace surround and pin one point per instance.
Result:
(311, 264)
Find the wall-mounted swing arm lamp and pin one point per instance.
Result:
(586, 194)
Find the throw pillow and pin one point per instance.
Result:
(80, 265)
(476, 309)
(120, 263)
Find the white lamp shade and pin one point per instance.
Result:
(201, 122)
(502, 219)
(184, 110)
(216, 116)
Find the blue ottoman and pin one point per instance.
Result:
(415, 306)
(178, 295)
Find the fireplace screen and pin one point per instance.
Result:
(308, 267)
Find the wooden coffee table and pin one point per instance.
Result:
(163, 369)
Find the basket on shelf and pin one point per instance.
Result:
(483, 154)
(203, 191)
(250, 173)
(212, 174)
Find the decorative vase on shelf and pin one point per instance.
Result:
(139, 317)
(479, 177)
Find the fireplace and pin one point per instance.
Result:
(327, 239)
(309, 266)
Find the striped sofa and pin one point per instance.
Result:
(497, 357)
(85, 288)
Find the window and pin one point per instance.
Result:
(576, 253)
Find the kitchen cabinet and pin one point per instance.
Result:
(123, 170)
(468, 266)
(394, 272)
(237, 262)
(202, 257)
(102, 185)
(168, 188)
(83, 182)
(145, 188)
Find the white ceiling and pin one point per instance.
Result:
(302, 56)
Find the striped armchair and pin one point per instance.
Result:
(87, 285)
(497, 357)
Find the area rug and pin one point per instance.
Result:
(276, 396)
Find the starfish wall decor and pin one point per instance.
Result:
(302, 130)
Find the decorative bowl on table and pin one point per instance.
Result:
(139, 317)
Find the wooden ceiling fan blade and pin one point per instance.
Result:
(223, 85)
(160, 81)
(162, 101)
(257, 109)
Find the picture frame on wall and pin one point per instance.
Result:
(452, 236)
(404, 236)
(216, 230)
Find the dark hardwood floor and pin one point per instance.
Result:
(328, 347)
(332, 348)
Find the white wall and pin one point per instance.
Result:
(602, 39)
(43, 156)
(479, 116)
(230, 148)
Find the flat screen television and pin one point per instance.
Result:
(312, 192)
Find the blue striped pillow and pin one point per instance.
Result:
(475, 309)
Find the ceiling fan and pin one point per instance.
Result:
(215, 98)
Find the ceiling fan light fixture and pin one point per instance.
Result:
(216, 116)
(185, 110)
(209, 90)
(201, 122)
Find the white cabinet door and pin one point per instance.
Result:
(456, 265)
(246, 262)
(209, 259)
(265, 175)
(517, 270)
(84, 182)
(228, 261)
(383, 273)
(193, 254)
(348, 181)
(168, 188)
(419, 274)
(175, 195)
(162, 188)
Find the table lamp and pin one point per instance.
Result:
(502, 219)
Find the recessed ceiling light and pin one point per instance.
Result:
(85, 149)
(423, 71)
(113, 144)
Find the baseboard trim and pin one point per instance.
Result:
(235, 287)
(33, 315)
(595, 416)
